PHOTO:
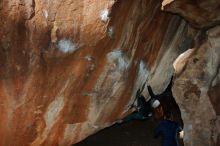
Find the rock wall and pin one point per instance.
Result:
(196, 86)
(196, 89)
(69, 68)
(201, 14)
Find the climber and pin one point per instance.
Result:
(169, 130)
(144, 110)
(141, 111)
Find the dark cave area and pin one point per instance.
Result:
(134, 133)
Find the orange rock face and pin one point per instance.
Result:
(70, 68)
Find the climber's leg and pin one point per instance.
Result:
(133, 116)
(141, 102)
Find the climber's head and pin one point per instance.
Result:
(155, 103)
(157, 109)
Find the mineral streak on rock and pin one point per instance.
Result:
(69, 68)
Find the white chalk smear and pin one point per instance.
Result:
(104, 15)
(67, 46)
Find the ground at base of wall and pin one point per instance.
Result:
(136, 133)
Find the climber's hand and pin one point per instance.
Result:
(181, 134)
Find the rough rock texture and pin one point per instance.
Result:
(69, 68)
(199, 13)
(197, 84)
(197, 91)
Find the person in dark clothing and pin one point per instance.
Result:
(144, 108)
(169, 130)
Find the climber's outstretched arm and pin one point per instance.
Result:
(150, 91)
(169, 87)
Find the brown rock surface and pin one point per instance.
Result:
(200, 13)
(197, 92)
(69, 68)
(197, 82)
